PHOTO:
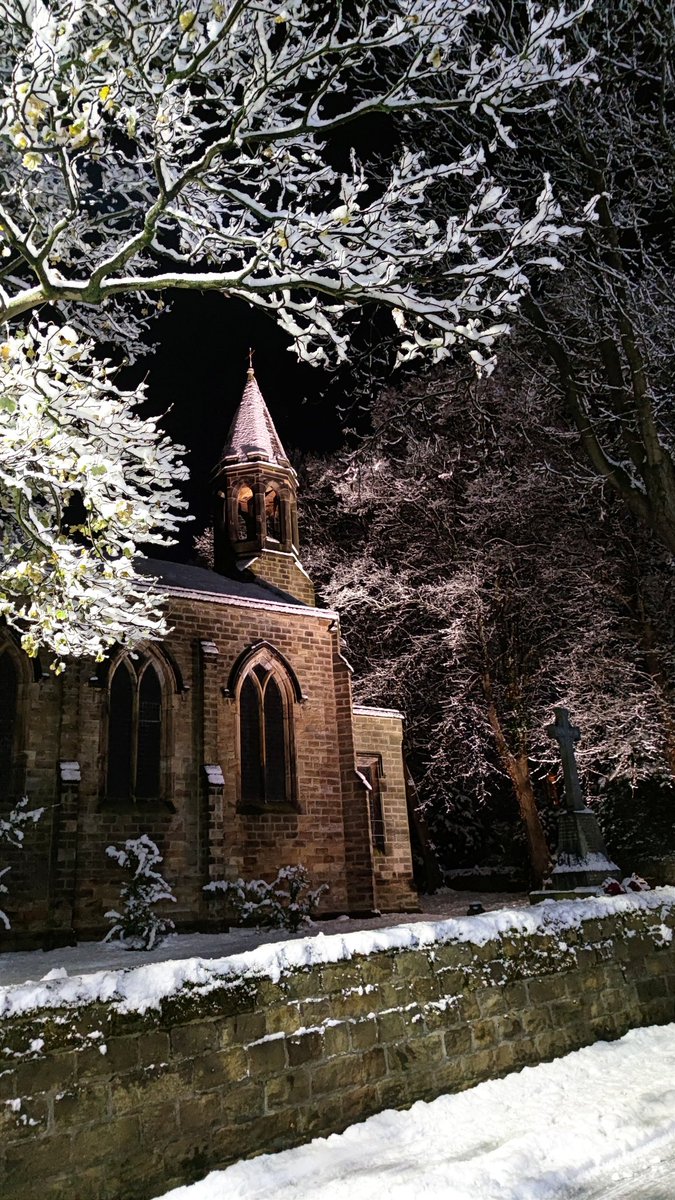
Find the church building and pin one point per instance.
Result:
(234, 744)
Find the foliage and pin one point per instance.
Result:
(638, 819)
(83, 480)
(608, 321)
(12, 834)
(138, 927)
(483, 577)
(285, 903)
(145, 145)
(143, 133)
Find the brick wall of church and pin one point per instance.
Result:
(285, 572)
(204, 834)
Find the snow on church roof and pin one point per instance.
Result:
(199, 579)
(252, 435)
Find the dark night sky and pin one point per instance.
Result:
(199, 369)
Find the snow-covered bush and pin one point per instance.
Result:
(138, 927)
(12, 834)
(279, 904)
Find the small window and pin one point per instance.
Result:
(264, 739)
(273, 513)
(371, 768)
(246, 530)
(9, 699)
(134, 733)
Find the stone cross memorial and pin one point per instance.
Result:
(567, 736)
(582, 861)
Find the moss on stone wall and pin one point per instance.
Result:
(131, 1104)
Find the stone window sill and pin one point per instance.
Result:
(132, 805)
(254, 808)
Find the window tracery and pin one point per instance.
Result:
(265, 734)
(134, 750)
(9, 704)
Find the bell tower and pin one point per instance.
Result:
(256, 506)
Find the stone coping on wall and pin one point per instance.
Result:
(142, 988)
(371, 710)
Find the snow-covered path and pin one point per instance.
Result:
(598, 1124)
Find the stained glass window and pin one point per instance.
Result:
(263, 738)
(134, 734)
(9, 692)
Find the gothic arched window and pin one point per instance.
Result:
(9, 703)
(134, 732)
(273, 513)
(246, 530)
(265, 741)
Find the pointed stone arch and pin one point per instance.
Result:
(265, 689)
(17, 672)
(246, 659)
(137, 727)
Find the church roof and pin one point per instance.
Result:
(252, 436)
(199, 579)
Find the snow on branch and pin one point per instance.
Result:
(12, 834)
(83, 479)
(147, 130)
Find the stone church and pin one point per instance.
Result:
(234, 744)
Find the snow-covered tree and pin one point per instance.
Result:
(12, 834)
(83, 480)
(608, 321)
(152, 144)
(138, 926)
(146, 144)
(487, 579)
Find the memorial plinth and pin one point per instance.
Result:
(582, 862)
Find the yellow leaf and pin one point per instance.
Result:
(186, 19)
(104, 92)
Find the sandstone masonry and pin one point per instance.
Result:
(102, 1104)
(234, 744)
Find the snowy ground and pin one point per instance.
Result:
(20, 966)
(598, 1124)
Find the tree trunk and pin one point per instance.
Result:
(518, 770)
(433, 879)
(540, 856)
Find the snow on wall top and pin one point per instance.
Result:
(140, 988)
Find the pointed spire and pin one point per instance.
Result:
(252, 436)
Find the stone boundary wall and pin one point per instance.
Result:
(109, 1105)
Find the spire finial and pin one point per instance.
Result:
(250, 372)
